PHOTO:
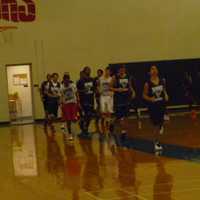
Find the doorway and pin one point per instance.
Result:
(20, 93)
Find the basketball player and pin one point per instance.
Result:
(69, 100)
(53, 93)
(63, 124)
(106, 99)
(86, 90)
(44, 96)
(156, 96)
(123, 89)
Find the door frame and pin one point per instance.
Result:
(31, 83)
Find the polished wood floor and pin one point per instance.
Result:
(36, 165)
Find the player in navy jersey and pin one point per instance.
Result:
(156, 97)
(44, 96)
(86, 91)
(53, 93)
(123, 90)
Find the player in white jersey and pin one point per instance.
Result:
(106, 98)
(69, 100)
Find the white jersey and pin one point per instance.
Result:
(69, 93)
(53, 88)
(105, 86)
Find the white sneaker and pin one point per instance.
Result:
(157, 147)
(122, 119)
(62, 127)
(70, 137)
(162, 130)
(166, 118)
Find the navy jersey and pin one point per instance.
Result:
(123, 82)
(157, 90)
(122, 98)
(86, 89)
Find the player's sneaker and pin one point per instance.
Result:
(161, 130)
(70, 137)
(157, 147)
(166, 118)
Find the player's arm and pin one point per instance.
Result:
(165, 90)
(132, 86)
(62, 95)
(77, 95)
(166, 94)
(145, 93)
(113, 83)
(98, 89)
(77, 86)
(47, 92)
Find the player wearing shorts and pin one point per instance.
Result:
(106, 99)
(123, 89)
(86, 91)
(156, 96)
(53, 95)
(69, 101)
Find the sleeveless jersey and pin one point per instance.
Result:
(104, 86)
(157, 91)
(69, 93)
(123, 82)
(86, 88)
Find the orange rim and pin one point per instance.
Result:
(4, 28)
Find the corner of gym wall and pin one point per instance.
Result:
(70, 34)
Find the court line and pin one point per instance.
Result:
(133, 195)
(176, 181)
(137, 196)
(117, 198)
(173, 192)
(93, 196)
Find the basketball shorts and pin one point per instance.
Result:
(106, 104)
(70, 112)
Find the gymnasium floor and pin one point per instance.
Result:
(37, 166)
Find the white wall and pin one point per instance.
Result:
(24, 108)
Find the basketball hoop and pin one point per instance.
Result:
(5, 28)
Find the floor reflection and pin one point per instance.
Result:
(92, 180)
(105, 167)
(55, 160)
(163, 182)
(126, 172)
(72, 169)
(24, 151)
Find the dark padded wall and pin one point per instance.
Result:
(172, 70)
